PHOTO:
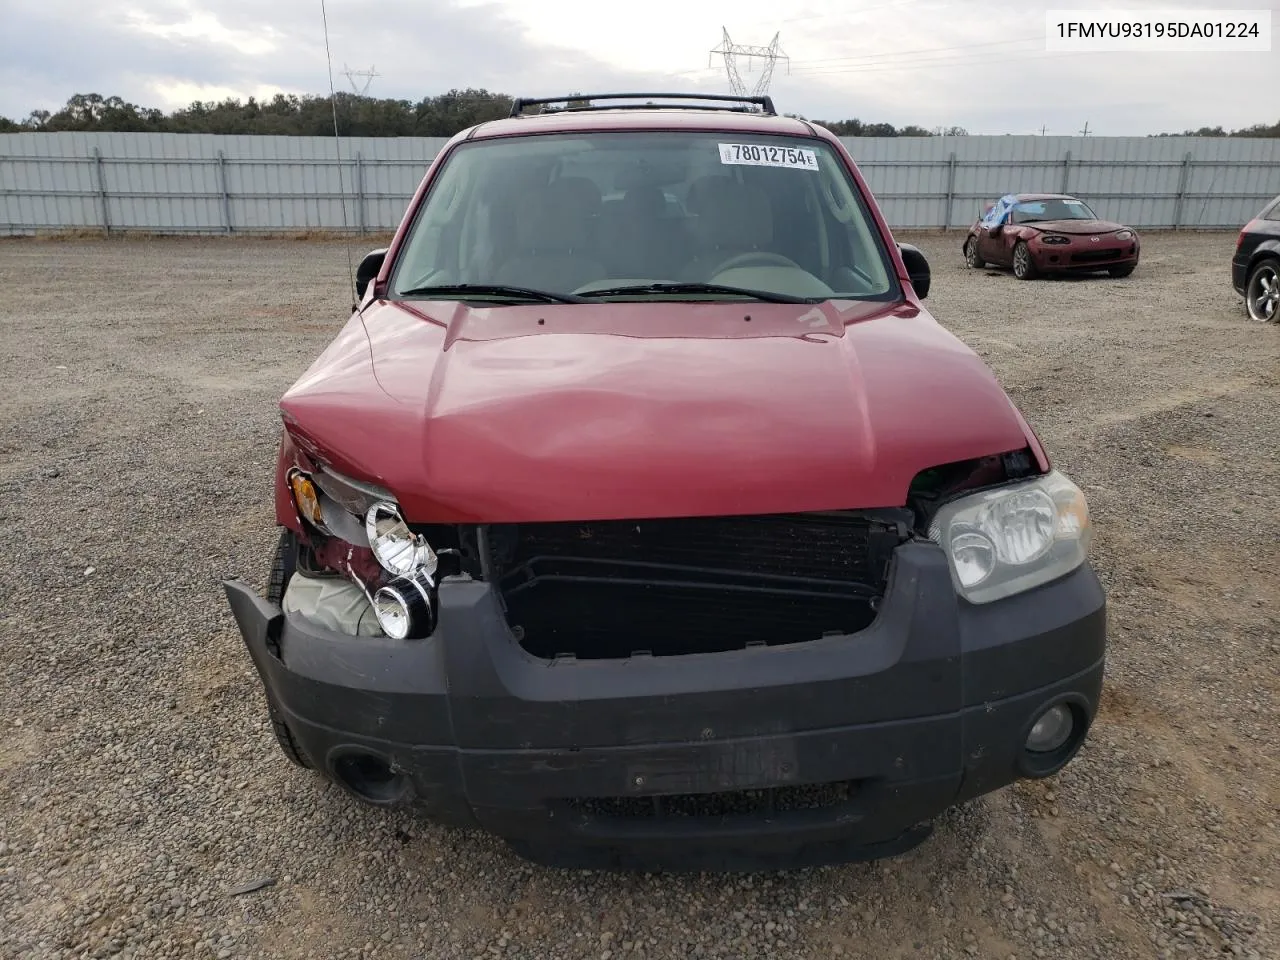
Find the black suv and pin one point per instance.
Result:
(1255, 269)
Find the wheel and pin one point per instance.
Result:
(283, 565)
(1262, 291)
(971, 256)
(284, 737)
(1122, 271)
(1023, 268)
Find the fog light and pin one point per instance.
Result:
(405, 609)
(1051, 730)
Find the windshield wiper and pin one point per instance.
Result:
(475, 291)
(767, 296)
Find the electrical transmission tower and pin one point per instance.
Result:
(368, 76)
(732, 51)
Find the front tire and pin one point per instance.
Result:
(1262, 291)
(971, 255)
(1023, 266)
(283, 565)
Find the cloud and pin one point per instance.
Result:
(200, 27)
(175, 94)
(979, 64)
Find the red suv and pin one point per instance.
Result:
(641, 514)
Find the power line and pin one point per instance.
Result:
(843, 15)
(958, 53)
(802, 64)
(948, 61)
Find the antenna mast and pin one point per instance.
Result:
(337, 148)
(731, 51)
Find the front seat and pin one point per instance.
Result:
(555, 237)
(639, 239)
(730, 218)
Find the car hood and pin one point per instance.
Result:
(631, 410)
(1077, 227)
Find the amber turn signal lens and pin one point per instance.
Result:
(305, 497)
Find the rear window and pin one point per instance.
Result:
(570, 212)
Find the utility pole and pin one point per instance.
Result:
(1043, 129)
(1085, 131)
(730, 51)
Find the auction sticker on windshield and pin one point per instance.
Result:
(760, 155)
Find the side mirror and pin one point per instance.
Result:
(917, 268)
(368, 270)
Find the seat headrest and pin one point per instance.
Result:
(646, 202)
(558, 216)
(729, 213)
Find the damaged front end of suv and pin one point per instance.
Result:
(642, 516)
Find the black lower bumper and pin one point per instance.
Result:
(839, 749)
(1047, 265)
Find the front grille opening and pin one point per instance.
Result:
(718, 806)
(1096, 256)
(667, 587)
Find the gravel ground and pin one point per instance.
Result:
(140, 784)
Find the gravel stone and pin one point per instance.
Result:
(137, 441)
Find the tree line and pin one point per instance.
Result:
(442, 115)
(438, 116)
(1257, 130)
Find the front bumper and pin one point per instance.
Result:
(1053, 258)
(926, 708)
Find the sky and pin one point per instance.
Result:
(977, 64)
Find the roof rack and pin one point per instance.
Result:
(718, 101)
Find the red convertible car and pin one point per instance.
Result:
(1042, 233)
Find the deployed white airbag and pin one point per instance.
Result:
(333, 603)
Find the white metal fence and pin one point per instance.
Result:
(203, 183)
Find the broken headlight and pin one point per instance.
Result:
(1007, 540)
(399, 550)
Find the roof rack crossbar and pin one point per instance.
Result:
(654, 106)
(765, 103)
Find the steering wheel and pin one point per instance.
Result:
(757, 258)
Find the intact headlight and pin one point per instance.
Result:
(1001, 542)
(396, 547)
(1124, 234)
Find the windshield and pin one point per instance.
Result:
(569, 214)
(1032, 210)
